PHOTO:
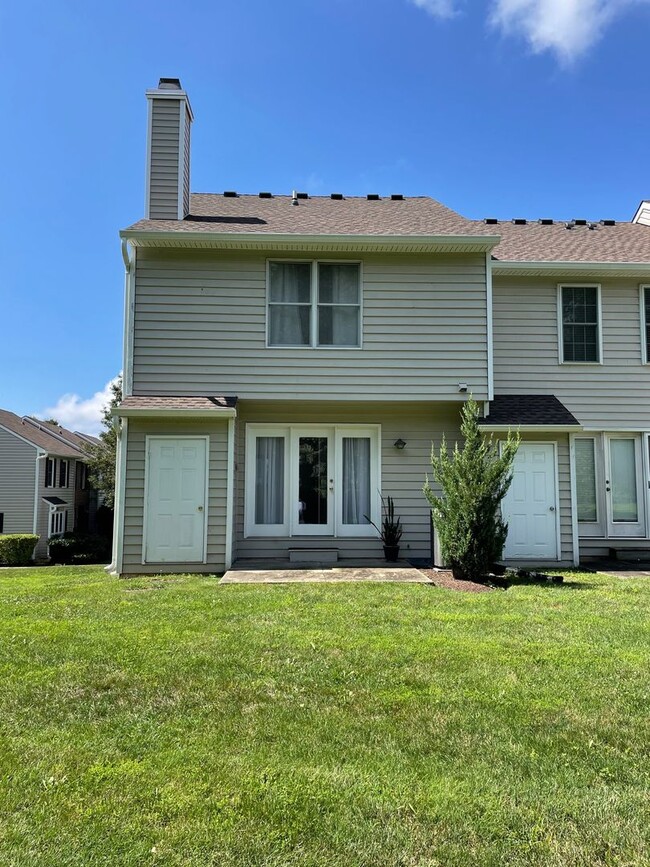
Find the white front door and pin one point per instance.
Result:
(312, 487)
(175, 500)
(530, 506)
(623, 486)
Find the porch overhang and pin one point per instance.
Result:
(563, 270)
(176, 407)
(530, 428)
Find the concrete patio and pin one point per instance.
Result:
(283, 572)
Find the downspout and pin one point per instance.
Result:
(489, 325)
(230, 491)
(121, 428)
(128, 256)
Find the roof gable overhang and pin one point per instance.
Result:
(289, 242)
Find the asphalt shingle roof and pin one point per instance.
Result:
(177, 403)
(38, 437)
(529, 409)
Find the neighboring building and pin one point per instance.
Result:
(44, 487)
(280, 349)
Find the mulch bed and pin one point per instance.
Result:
(444, 578)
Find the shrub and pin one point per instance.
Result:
(474, 481)
(17, 549)
(79, 548)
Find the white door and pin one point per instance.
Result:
(175, 500)
(530, 507)
(312, 497)
(623, 487)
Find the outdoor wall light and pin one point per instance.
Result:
(399, 444)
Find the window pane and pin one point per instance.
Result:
(580, 323)
(623, 480)
(338, 326)
(356, 480)
(312, 480)
(269, 480)
(289, 325)
(586, 479)
(338, 283)
(290, 282)
(646, 293)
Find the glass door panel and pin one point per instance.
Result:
(623, 488)
(313, 484)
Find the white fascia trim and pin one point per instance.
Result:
(643, 206)
(489, 326)
(171, 414)
(530, 428)
(509, 267)
(147, 172)
(477, 243)
(230, 493)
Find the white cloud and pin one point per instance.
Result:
(566, 27)
(82, 414)
(438, 8)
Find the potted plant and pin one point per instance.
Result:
(391, 529)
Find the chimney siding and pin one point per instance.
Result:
(168, 155)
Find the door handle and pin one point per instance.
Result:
(551, 508)
(199, 508)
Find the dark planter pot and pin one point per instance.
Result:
(458, 573)
(391, 553)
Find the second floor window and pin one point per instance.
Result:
(50, 472)
(645, 336)
(580, 337)
(314, 304)
(63, 473)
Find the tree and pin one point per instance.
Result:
(102, 455)
(474, 480)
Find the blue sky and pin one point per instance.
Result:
(506, 108)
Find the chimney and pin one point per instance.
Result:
(167, 192)
(642, 214)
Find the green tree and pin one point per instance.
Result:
(474, 480)
(102, 455)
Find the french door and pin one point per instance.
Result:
(310, 480)
(623, 485)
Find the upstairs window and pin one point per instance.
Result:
(580, 325)
(314, 304)
(645, 324)
(50, 472)
(64, 473)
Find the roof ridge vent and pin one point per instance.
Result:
(373, 197)
(491, 221)
(397, 197)
(608, 222)
(579, 222)
(519, 221)
(546, 222)
(337, 196)
(265, 195)
(302, 195)
(230, 194)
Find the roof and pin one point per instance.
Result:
(421, 216)
(528, 409)
(175, 403)
(39, 437)
(317, 215)
(73, 437)
(55, 501)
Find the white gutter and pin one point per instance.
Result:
(575, 537)
(230, 492)
(37, 472)
(133, 412)
(142, 237)
(530, 428)
(509, 267)
(489, 326)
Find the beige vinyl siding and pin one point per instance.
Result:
(608, 396)
(135, 493)
(564, 491)
(403, 472)
(66, 494)
(164, 166)
(200, 328)
(17, 474)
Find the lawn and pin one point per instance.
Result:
(170, 721)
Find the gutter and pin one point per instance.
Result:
(115, 566)
(512, 267)
(530, 428)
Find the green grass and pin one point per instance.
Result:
(170, 721)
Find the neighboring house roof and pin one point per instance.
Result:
(39, 437)
(55, 501)
(176, 404)
(528, 409)
(521, 241)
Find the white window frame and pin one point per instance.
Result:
(66, 464)
(644, 322)
(57, 516)
(290, 433)
(314, 303)
(560, 323)
(54, 473)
